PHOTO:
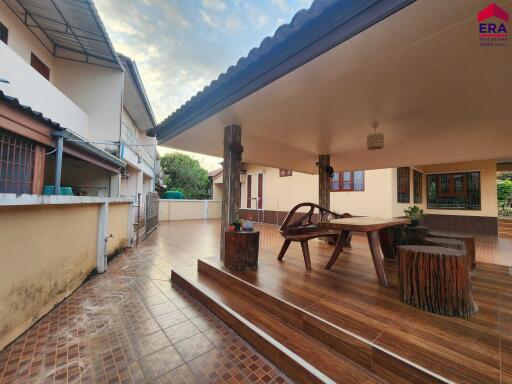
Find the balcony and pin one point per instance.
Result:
(26, 84)
(143, 154)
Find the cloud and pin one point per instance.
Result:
(181, 46)
(217, 5)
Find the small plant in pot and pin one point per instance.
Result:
(415, 214)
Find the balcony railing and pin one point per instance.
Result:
(145, 153)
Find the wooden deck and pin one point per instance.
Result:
(344, 312)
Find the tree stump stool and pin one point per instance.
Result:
(468, 240)
(241, 250)
(408, 235)
(436, 279)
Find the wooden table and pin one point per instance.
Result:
(379, 237)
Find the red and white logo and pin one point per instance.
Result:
(492, 25)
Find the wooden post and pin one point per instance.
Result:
(231, 179)
(324, 182)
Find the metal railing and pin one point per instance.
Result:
(146, 154)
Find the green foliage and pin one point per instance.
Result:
(504, 190)
(182, 173)
(414, 213)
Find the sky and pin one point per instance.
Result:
(181, 46)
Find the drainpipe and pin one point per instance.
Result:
(59, 139)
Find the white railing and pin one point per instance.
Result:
(146, 154)
(33, 90)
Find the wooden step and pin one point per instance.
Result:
(301, 357)
(338, 341)
(505, 234)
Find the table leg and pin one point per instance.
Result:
(342, 238)
(386, 243)
(373, 241)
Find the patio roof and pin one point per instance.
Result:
(69, 29)
(415, 67)
(74, 143)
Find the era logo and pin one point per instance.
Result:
(492, 25)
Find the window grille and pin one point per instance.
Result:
(418, 187)
(459, 190)
(403, 185)
(16, 163)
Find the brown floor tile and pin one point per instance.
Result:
(181, 331)
(194, 346)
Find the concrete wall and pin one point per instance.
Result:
(98, 91)
(34, 90)
(189, 209)
(283, 193)
(118, 227)
(46, 253)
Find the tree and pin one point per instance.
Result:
(184, 174)
(504, 190)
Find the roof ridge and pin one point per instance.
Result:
(269, 42)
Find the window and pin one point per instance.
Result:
(285, 172)
(249, 190)
(39, 66)
(459, 190)
(403, 185)
(418, 187)
(347, 181)
(17, 155)
(4, 33)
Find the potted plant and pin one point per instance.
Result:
(415, 214)
(237, 224)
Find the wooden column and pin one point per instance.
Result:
(231, 179)
(324, 197)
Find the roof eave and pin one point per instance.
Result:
(311, 33)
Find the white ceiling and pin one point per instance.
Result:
(421, 73)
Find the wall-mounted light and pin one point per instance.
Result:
(375, 140)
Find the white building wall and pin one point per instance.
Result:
(22, 41)
(98, 91)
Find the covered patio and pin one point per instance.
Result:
(358, 85)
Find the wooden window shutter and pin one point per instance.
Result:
(249, 190)
(260, 191)
(39, 66)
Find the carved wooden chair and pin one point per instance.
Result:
(302, 227)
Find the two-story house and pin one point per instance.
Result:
(73, 112)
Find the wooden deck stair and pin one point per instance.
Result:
(505, 227)
(305, 347)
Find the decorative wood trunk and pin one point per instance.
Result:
(436, 279)
(241, 250)
(231, 179)
(468, 240)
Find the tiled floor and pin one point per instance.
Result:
(130, 325)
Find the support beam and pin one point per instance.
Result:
(59, 138)
(231, 179)
(101, 250)
(324, 197)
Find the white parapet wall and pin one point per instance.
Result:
(189, 209)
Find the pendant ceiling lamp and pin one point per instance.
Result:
(375, 140)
